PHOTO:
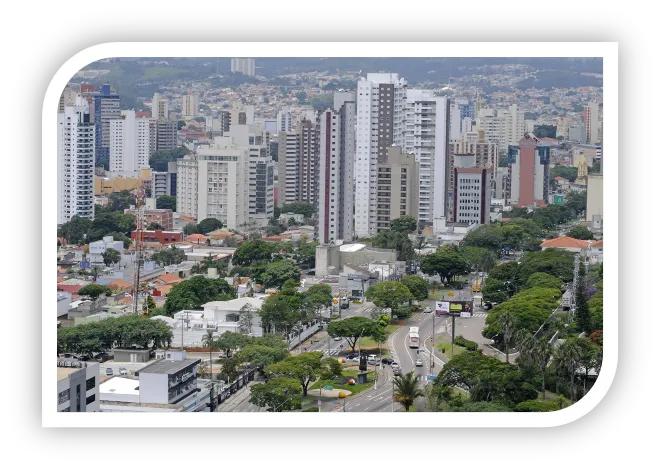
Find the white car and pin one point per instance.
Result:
(419, 362)
(123, 371)
(427, 310)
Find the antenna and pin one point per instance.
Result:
(139, 246)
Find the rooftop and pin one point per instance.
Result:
(168, 366)
(565, 242)
(351, 247)
(119, 385)
(64, 372)
(235, 304)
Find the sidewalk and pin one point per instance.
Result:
(237, 399)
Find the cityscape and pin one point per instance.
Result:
(330, 234)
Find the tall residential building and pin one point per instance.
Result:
(506, 126)
(223, 182)
(132, 141)
(241, 114)
(336, 151)
(106, 108)
(514, 125)
(472, 192)
(591, 122)
(262, 170)
(595, 201)
(530, 173)
(427, 137)
(67, 98)
(164, 182)
(190, 104)
(502, 185)
(160, 107)
(187, 186)
(288, 118)
(166, 134)
(381, 100)
(397, 189)
(297, 164)
(75, 162)
(217, 126)
(244, 66)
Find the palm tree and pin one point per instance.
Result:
(209, 341)
(508, 328)
(568, 356)
(542, 353)
(406, 389)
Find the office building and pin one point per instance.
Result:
(577, 133)
(297, 164)
(472, 192)
(427, 137)
(530, 172)
(164, 182)
(336, 165)
(132, 141)
(223, 182)
(160, 107)
(106, 108)
(591, 122)
(77, 386)
(190, 105)
(244, 66)
(75, 162)
(397, 187)
(381, 100)
(166, 134)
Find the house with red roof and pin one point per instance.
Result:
(167, 279)
(592, 251)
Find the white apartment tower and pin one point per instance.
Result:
(381, 99)
(160, 107)
(75, 162)
(336, 149)
(223, 182)
(427, 137)
(190, 104)
(132, 141)
(591, 122)
(244, 66)
(506, 126)
(186, 186)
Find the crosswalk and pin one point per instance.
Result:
(334, 351)
(479, 315)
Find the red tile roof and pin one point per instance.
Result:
(169, 279)
(597, 244)
(196, 238)
(565, 242)
(119, 285)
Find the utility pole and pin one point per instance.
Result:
(433, 341)
(576, 275)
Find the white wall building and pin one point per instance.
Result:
(591, 124)
(160, 107)
(186, 186)
(244, 66)
(98, 248)
(77, 386)
(132, 140)
(190, 105)
(380, 124)
(75, 162)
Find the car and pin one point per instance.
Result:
(352, 355)
(355, 359)
(387, 361)
(395, 365)
(427, 310)
(123, 371)
(339, 338)
(372, 357)
(397, 371)
(345, 305)
(109, 372)
(419, 362)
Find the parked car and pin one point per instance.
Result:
(109, 372)
(419, 362)
(387, 361)
(123, 371)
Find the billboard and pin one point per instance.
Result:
(454, 308)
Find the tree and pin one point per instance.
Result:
(582, 313)
(576, 201)
(279, 313)
(529, 308)
(153, 226)
(316, 298)
(166, 202)
(229, 341)
(209, 342)
(305, 368)
(406, 389)
(253, 251)
(580, 232)
(352, 329)
(169, 256)
(94, 290)
(568, 356)
(277, 395)
(485, 236)
(193, 293)
(536, 406)
(119, 201)
(566, 172)
(404, 224)
(246, 317)
(95, 271)
(544, 280)
(159, 159)
(260, 356)
(209, 224)
(508, 328)
(389, 295)
(111, 256)
(75, 230)
(542, 352)
(149, 304)
(276, 273)
(418, 287)
(190, 228)
(447, 263)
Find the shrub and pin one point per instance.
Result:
(536, 406)
(468, 344)
(311, 409)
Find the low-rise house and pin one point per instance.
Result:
(592, 251)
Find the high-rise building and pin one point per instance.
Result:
(187, 186)
(67, 98)
(297, 164)
(594, 213)
(472, 192)
(223, 182)
(218, 126)
(288, 118)
(244, 66)
(397, 189)
(530, 173)
(241, 114)
(75, 162)
(505, 126)
(166, 134)
(427, 137)
(336, 151)
(132, 141)
(381, 100)
(106, 108)
(160, 107)
(190, 105)
(164, 182)
(591, 122)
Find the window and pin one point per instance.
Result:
(78, 398)
(91, 383)
(91, 399)
(63, 396)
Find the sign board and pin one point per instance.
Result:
(454, 308)
(335, 402)
(327, 387)
(335, 301)
(85, 265)
(431, 377)
(451, 293)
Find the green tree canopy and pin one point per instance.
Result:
(279, 312)
(447, 263)
(277, 395)
(305, 368)
(261, 356)
(193, 293)
(307, 210)
(566, 172)
(418, 287)
(252, 251)
(159, 159)
(169, 256)
(209, 224)
(580, 232)
(352, 329)
(404, 224)
(544, 280)
(485, 236)
(111, 256)
(94, 290)
(278, 272)
(229, 341)
(389, 295)
(119, 201)
(166, 202)
(529, 310)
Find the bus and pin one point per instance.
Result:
(413, 337)
(476, 285)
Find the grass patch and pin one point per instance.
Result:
(442, 344)
(367, 342)
(355, 388)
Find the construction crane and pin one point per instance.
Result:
(139, 247)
